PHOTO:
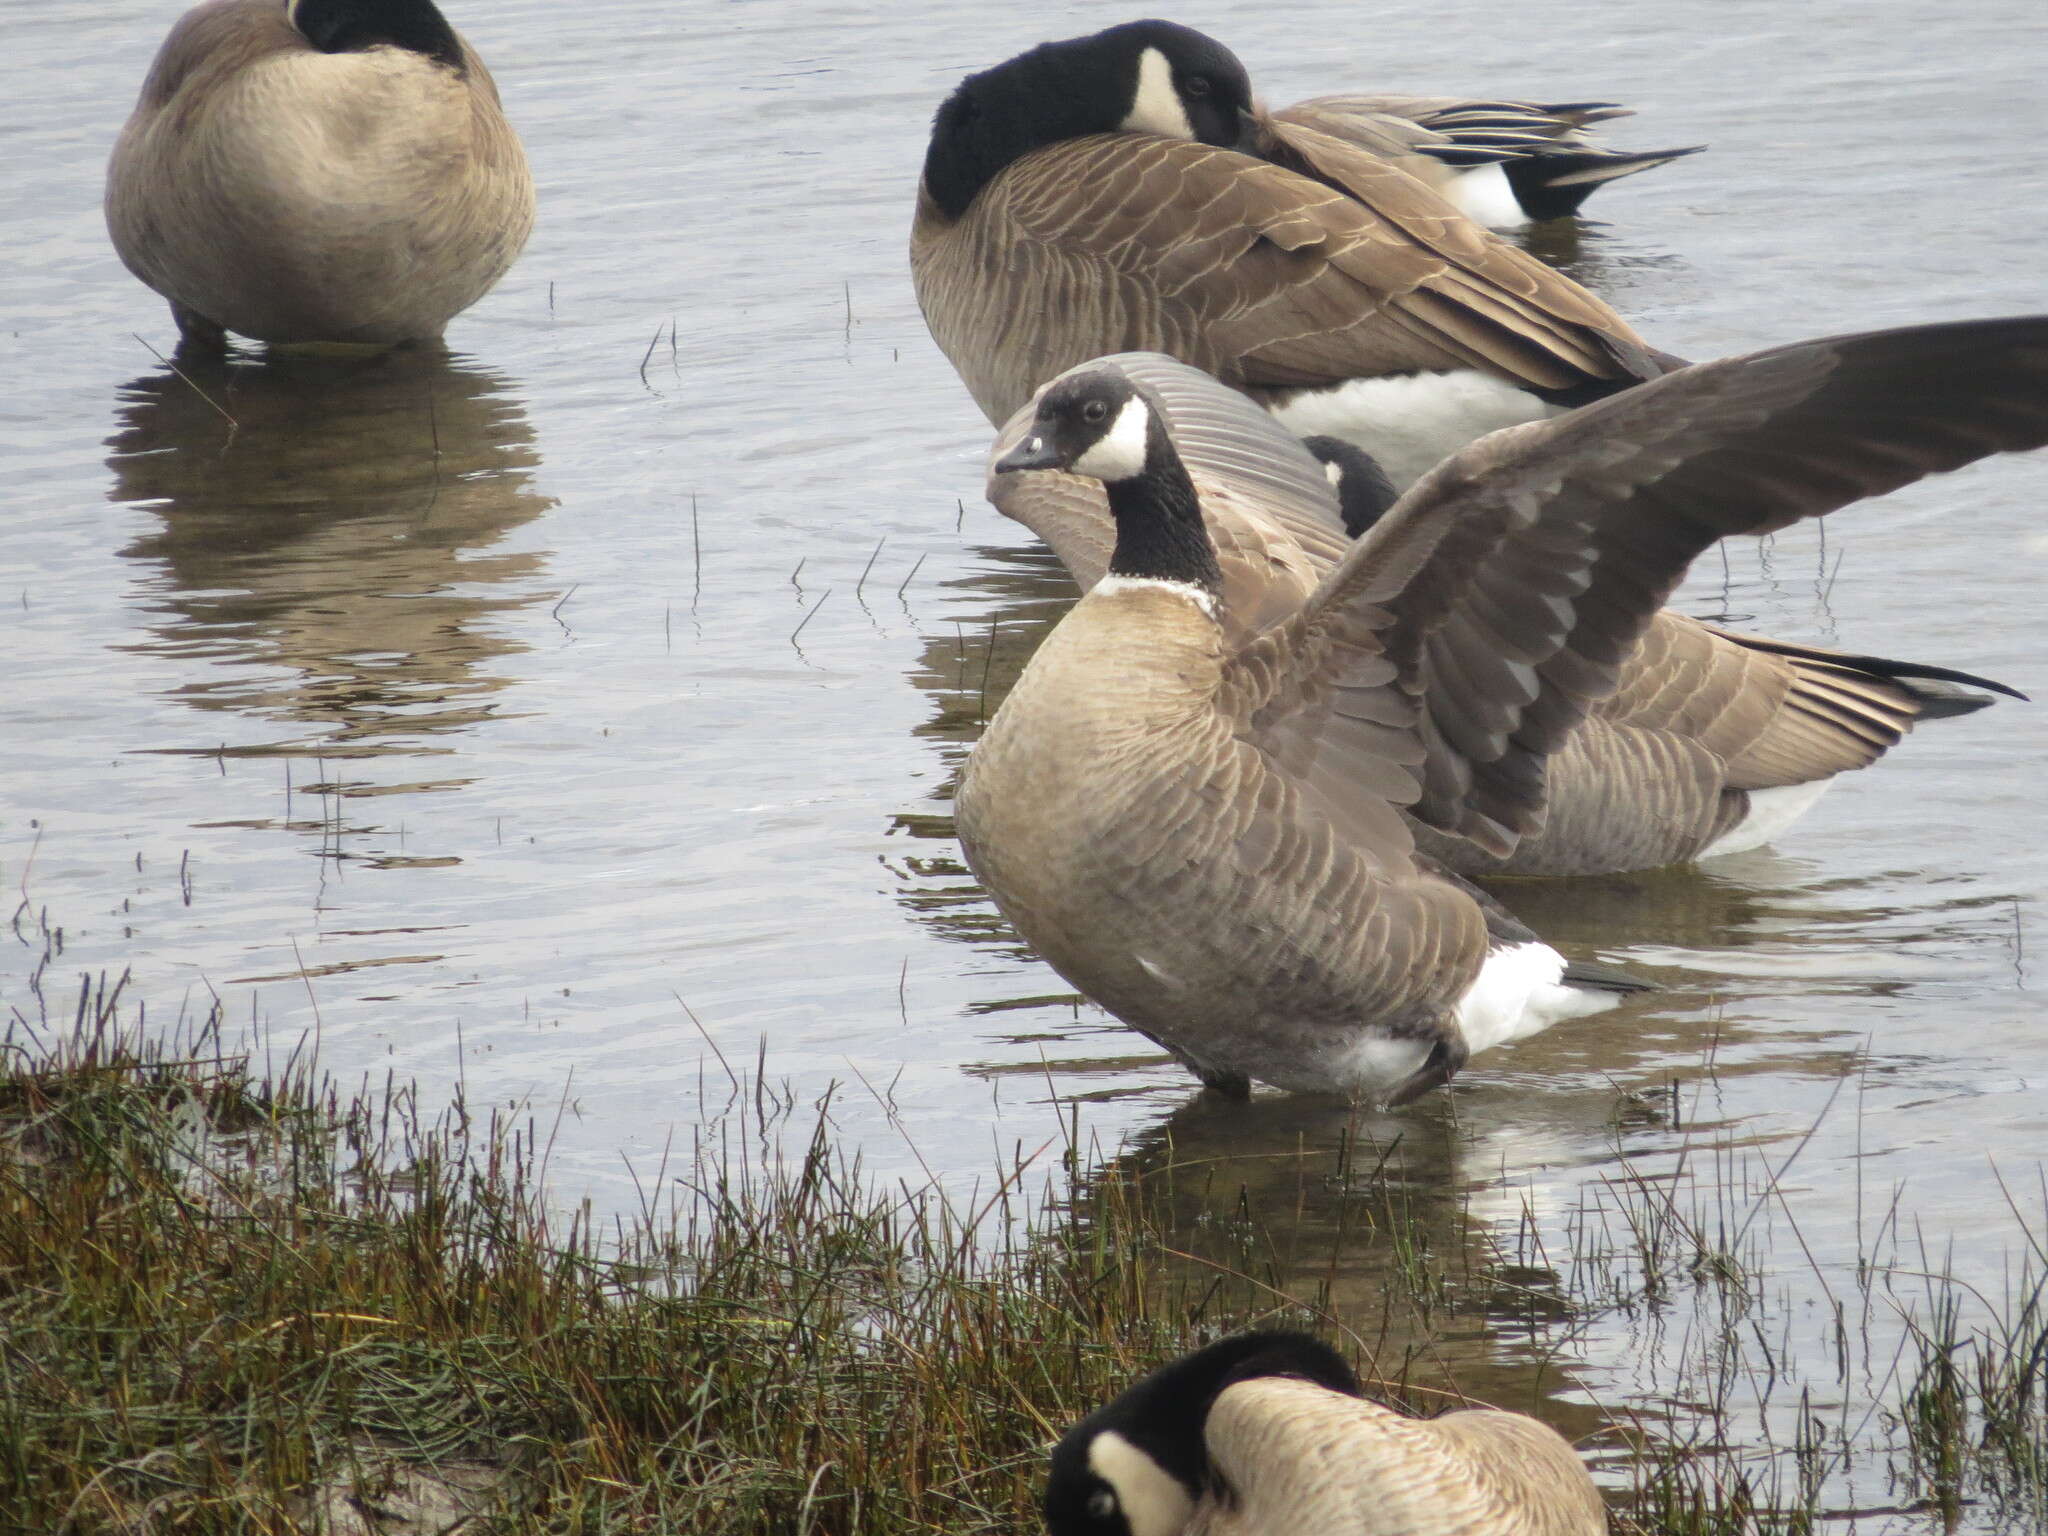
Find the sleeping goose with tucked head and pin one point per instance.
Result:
(1119, 192)
(1211, 837)
(318, 171)
(1268, 1432)
(1712, 741)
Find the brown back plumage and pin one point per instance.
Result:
(1300, 1458)
(1265, 276)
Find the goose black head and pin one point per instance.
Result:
(1362, 487)
(1095, 423)
(1139, 1465)
(1098, 423)
(1140, 77)
(1177, 82)
(350, 26)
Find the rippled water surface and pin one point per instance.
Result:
(558, 713)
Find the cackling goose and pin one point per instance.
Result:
(1711, 743)
(1208, 837)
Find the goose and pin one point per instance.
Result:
(1505, 164)
(317, 171)
(1269, 1431)
(1211, 838)
(1362, 488)
(1117, 191)
(1713, 742)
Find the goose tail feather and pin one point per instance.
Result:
(1552, 184)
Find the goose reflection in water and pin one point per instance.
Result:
(1368, 1222)
(998, 616)
(329, 549)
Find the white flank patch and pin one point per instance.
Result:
(1375, 1064)
(1156, 105)
(1120, 453)
(1412, 422)
(1201, 597)
(1484, 196)
(1519, 992)
(1771, 811)
(1152, 1499)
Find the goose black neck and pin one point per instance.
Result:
(350, 26)
(1056, 91)
(1159, 528)
(1363, 490)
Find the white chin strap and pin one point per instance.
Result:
(1151, 1499)
(1120, 453)
(1156, 106)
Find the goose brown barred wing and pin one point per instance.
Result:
(1480, 620)
(1262, 276)
(1500, 308)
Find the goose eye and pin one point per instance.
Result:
(1197, 85)
(1097, 411)
(1101, 1504)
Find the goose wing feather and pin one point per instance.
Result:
(1479, 621)
(1263, 276)
(1455, 132)
(1497, 305)
(1774, 712)
(1423, 151)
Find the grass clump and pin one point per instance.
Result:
(230, 1304)
(233, 1301)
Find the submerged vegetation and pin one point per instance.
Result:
(238, 1302)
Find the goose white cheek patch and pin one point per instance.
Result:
(1151, 1498)
(1120, 454)
(1156, 106)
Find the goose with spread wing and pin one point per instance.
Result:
(1120, 192)
(1713, 742)
(1211, 839)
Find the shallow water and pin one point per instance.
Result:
(572, 714)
